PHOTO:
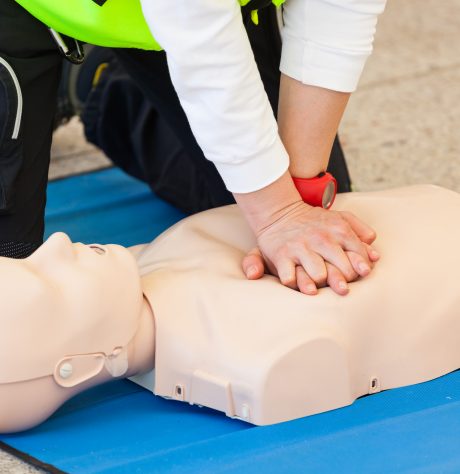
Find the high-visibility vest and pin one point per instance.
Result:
(117, 24)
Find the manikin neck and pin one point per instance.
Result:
(142, 347)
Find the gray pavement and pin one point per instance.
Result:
(71, 154)
(401, 126)
(11, 465)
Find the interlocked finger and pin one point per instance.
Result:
(349, 241)
(314, 266)
(285, 268)
(336, 280)
(335, 255)
(304, 283)
(363, 231)
(359, 265)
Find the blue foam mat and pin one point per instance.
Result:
(120, 427)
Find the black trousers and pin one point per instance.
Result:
(29, 74)
(159, 149)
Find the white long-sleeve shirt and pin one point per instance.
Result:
(212, 67)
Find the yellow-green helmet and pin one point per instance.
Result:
(117, 24)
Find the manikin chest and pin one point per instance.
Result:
(266, 354)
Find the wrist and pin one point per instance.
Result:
(319, 191)
(263, 207)
(308, 168)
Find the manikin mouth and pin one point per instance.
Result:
(98, 249)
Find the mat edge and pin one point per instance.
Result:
(30, 460)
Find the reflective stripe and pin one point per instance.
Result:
(17, 122)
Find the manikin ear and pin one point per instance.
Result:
(76, 369)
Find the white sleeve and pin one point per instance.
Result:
(326, 42)
(215, 76)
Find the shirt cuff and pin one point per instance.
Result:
(320, 66)
(257, 171)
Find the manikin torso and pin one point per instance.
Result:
(264, 353)
(74, 316)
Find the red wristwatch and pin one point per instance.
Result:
(319, 191)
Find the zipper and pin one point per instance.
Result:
(17, 122)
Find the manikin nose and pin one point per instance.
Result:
(58, 244)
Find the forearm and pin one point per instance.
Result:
(308, 118)
(325, 47)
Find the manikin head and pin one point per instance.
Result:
(67, 311)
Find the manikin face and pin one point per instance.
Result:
(61, 299)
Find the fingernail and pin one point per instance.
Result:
(364, 267)
(311, 288)
(252, 271)
(375, 254)
(343, 285)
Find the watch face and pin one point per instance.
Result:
(328, 195)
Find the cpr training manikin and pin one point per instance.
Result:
(74, 316)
